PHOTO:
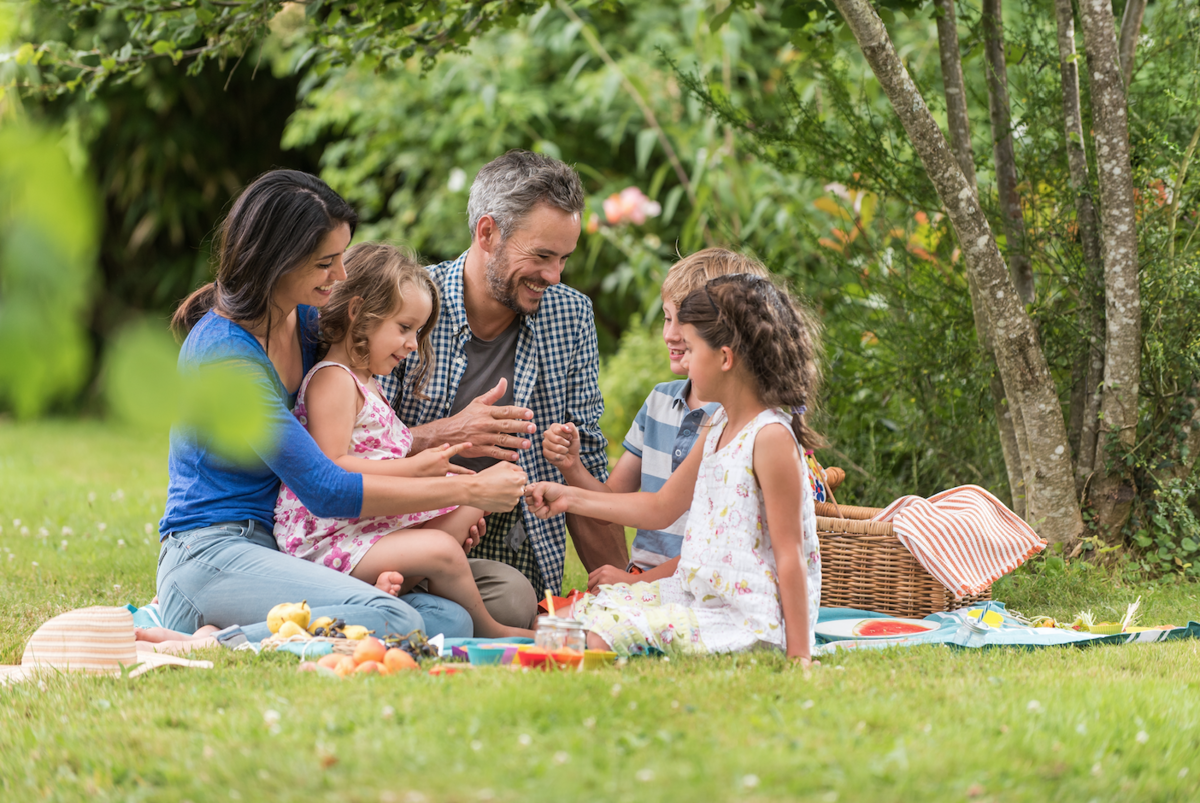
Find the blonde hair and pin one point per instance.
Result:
(379, 274)
(695, 270)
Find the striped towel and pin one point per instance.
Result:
(965, 537)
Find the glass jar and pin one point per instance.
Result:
(557, 633)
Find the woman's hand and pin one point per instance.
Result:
(546, 499)
(498, 488)
(435, 462)
(560, 447)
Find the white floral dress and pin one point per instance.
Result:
(341, 543)
(724, 597)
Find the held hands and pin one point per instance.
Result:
(494, 431)
(499, 487)
(546, 499)
(435, 462)
(561, 446)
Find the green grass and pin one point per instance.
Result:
(1111, 723)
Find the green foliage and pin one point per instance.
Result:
(221, 400)
(47, 252)
(202, 31)
(628, 376)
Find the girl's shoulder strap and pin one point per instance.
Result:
(324, 364)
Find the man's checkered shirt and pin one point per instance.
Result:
(555, 376)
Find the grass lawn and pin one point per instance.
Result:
(1110, 723)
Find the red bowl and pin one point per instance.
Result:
(536, 657)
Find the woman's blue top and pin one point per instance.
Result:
(206, 488)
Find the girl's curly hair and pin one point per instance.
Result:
(774, 335)
(381, 275)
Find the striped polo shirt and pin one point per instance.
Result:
(662, 435)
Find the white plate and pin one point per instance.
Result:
(843, 629)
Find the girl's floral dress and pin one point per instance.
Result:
(341, 543)
(724, 597)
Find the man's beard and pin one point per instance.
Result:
(504, 290)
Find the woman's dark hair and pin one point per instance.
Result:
(775, 337)
(381, 277)
(275, 225)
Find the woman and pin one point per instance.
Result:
(280, 253)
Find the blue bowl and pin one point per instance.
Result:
(484, 654)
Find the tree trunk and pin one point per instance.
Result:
(1002, 150)
(960, 138)
(1131, 27)
(1085, 404)
(1123, 312)
(1053, 509)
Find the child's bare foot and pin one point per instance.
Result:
(595, 642)
(157, 635)
(390, 583)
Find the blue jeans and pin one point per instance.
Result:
(233, 573)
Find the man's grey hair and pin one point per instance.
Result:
(508, 187)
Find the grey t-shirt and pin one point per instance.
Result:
(487, 362)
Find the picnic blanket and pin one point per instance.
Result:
(965, 537)
(953, 632)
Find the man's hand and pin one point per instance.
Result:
(546, 499)
(607, 576)
(560, 447)
(436, 462)
(493, 431)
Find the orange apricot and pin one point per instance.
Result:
(369, 649)
(396, 659)
(329, 661)
(368, 668)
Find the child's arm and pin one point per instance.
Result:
(648, 511)
(607, 575)
(560, 447)
(334, 401)
(777, 468)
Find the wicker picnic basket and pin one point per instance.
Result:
(864, 565)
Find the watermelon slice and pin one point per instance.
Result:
(884, 628)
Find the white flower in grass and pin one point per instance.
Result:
(117, 496)
(561, 757)
(91, 497)
(1097, 769)
(476, 745)
(101, 527)
(16, 522)
(11, 556)
(524, 740)
(116, 588)
(120, 542)
(1081, 728)
(616, 689)
(24, 531)
(271, 716)
(749, 781)
(589, 723)
(388, 712)
(645, 775)
(1033, 707)
(63, 543)
(67, 531)
(148, 527)
(413, 796)
(43, 532)
(1142, 737)
(35, 563)
(807, 704)
(1183, 773)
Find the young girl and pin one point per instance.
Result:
(383, 311)
(749, 573)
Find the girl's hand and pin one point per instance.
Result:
(607, 576)
(499, 487)
(475, 535)
(560, 446)
(546, 499)
(804, 661)
(435, 462)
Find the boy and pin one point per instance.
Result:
(663, 432)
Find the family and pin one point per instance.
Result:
(435, 435)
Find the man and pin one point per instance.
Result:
(516, 352)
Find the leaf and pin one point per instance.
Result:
(162, 47)
(832, 207)
(1189, 545)
(671, 204)
(866, 210)
(646, 140)
(721, 18)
